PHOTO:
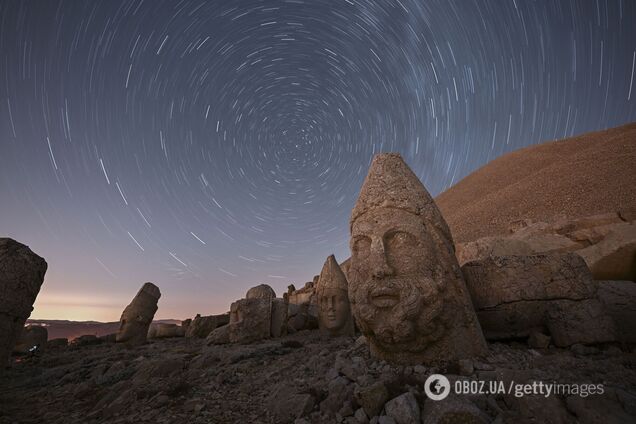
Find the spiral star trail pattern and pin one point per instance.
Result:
(209, 146)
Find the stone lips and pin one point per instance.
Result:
(21, 276)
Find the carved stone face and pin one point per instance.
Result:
(334, 308)
(396, 285)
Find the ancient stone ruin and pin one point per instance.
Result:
(137, 317)
(21, 276)
(407, 292)
(554, 293)
(260, 315)
(334, 309)
(201, 326)
(607, 242)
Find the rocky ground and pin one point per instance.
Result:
(301, 378)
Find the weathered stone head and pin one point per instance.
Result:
(137, 317)
(334, 311)
(262, 291)
(21, 276)
(406, 289)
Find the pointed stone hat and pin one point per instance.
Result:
(331, 276)
(390, 183)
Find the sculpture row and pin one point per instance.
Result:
(402, 287)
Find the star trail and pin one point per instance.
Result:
(209, 146)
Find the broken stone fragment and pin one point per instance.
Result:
(515, 295)
(372, 398)
(403, 409)
(250, 320)
(619, 299)
(138, 315)
(279, 317)
(201, 326)
(21, 276)
(262, 291)
(164, 330)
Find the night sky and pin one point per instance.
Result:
(208, 146)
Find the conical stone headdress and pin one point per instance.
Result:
(331, 276)
(390, 183)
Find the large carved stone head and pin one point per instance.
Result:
(138, 315)
(334, 311)
(405, 286)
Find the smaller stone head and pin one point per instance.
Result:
(138, 315)
(334, 311)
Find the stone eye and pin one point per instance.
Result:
(361, 246)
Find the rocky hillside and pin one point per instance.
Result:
(72, 329)
(590, 174)
(302, 379)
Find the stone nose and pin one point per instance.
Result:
(380, 267)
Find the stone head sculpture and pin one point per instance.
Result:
(334, 311)
(406, 289)
(138, 315)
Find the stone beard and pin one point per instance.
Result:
(405, 302)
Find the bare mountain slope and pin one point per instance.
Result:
(585, 175)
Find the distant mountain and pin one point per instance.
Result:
(589, 174)
(73, 329)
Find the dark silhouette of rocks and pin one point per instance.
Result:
(302, 377)
(137, 317)
(21, 276)
(32, 337)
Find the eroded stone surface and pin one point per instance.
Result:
(250, 320)
(334, 309)
(21, 276)
(163, 330)
(137, 317)
(607, 243)
(515, 295)
(619, 299)
(407, 293)
(202, 326)
(262, 291)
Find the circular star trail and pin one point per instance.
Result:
(209, 146)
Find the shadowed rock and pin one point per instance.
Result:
(137, 317)
(32, 338)
(21, 276)
(202, 326)
(334, 310)
(250, 320)
(514, 295)
(406, 289)
(163, 330)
